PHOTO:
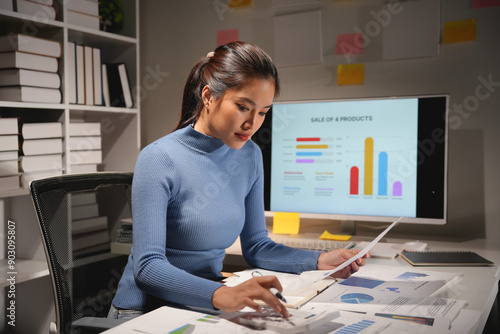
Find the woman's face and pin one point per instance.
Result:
(238, 114)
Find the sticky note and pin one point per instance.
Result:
(485, 3)
(328, 236)
(459, 31)
(227, 36)
(349, 44)
(239, 3)
(350, 74)
(286, 223)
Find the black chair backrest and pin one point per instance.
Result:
(79, 215)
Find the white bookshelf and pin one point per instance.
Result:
(120, 131)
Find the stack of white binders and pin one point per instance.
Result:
(83, 13)
(29, 69)
(85, 74)
(42, 151)
(85, 153)
(40, 9)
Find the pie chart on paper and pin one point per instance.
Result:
(356, 298)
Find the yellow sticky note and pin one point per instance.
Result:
(286, 223)
(459, 31)
(328, 236)
(350, 74)
(239, 3)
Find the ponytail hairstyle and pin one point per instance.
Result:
(230, 66)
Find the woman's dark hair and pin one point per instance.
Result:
(230, 67)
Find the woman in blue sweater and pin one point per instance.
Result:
(199, 188)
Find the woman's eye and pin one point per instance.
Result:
(242, 108)
(263, 113)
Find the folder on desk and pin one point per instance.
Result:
(445, 258)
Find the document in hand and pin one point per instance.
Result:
(297, 289)
(326, 273)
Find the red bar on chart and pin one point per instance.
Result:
(354, 182)
(397, 189)
(308, 139)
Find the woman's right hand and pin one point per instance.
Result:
(232, 299)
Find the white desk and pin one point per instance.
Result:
(478, 286)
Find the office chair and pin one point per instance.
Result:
(78, 215)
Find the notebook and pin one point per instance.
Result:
(445, 258)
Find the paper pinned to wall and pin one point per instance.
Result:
(350, 74)
(297, 39)
(411, 30)
(227, 36)
(485, 3)
(349, 44)
(286, 223)
(459, 31)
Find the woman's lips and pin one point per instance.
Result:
(242, 137)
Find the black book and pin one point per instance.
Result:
(445, 258)
(118, 85)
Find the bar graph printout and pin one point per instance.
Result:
(352, 157)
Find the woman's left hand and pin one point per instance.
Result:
(333, 259)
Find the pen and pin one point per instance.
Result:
(274, 291)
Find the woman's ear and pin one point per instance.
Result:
(206, 96)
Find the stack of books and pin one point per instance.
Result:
(83, 13)
(123, 241)
(41, 146)
(29, 69)
(85, 152)
(89, 230)
(9, 154)
(40, 9)
(125, 231)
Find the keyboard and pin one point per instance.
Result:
(310, 243)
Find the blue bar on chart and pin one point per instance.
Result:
(357, 327)
(303, 154)
(382, 173)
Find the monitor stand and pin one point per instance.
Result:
(348, 227)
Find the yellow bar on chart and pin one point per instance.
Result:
(368, 166)
(311, 146)
(459, 31)
(286, 223)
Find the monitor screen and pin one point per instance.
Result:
(372, 159)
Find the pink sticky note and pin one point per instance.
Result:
(485, 3)
(349, 44)
(226, 36)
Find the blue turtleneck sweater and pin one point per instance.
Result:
(192, 196)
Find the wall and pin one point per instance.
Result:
(174, 34)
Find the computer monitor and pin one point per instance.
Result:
(362, 159)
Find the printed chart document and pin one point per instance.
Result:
(350, 322)
(392, 291)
